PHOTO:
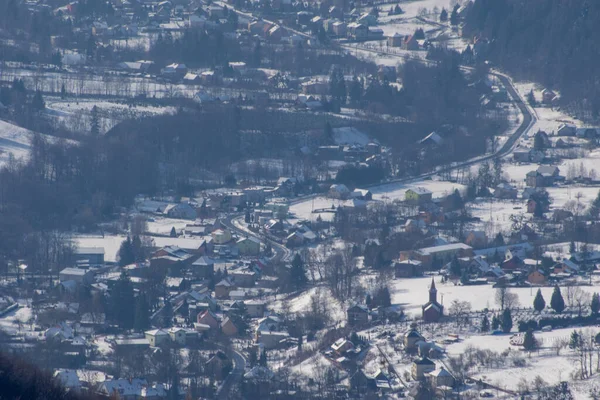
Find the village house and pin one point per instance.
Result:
(537, 277)
(410, 43)
(527, 155)
(243, 277)
(357, 31)
(255, 308)
(566, 130)
(228, 327)
(411, 338)
(174, 71)
(79, 275)
(418, 195)
(544, 176)
(421, 367)
(476, 239)
(271, 339)
(408, 268)
(505, 191)
(566, 266)
(221, 236)
(156, 337)
(208, 318)
(441, 377)
(339, 191)
(395, 40)
(548, 96)
(177, 335)
(203, 267)
(223, 288)
(249, 246)
(90, 256)
(358, 315)
(441, 254)
(180, 211)
(361, 194)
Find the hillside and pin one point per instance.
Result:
(21, 380)
(548, 41)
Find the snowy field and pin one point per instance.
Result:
(112, 243)
(350, 135)
(397, 191)
(411, 294)
(16, 141)
(545, 364)
(304, 209)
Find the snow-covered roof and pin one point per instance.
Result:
(446, 247)
(68, 378)
(419, 190)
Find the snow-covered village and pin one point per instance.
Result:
(273, 199)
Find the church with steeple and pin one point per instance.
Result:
(432, 310)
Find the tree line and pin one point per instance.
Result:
(552, 42)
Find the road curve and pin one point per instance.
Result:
(234, 377)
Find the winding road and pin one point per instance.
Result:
(234, 377)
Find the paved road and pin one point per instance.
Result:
(233, 223)
(234, 377)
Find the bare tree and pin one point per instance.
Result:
(458, 309)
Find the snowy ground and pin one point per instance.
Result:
(396, 191)
(411, 294)
(16, 141)
(545, 364)
(16, 321)
(112, 243)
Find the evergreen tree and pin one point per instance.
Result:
(337, 86)
(37, 103)
(485, 324)
(328, 132)
(167, 314)
(63, 92)
(572, 248)
(95, 122)
(173, 232)
(355, 91)
(444, 15)
(557, 302)
(454, 15)
(594, 210)
(495, 323)
(141, 320)
(464, 278)
(139, 253)
(507, 322)
(263, 358)
(247, 217)
(455, 268)
(499, 240)
(538, 141)
(575, 340)
(419, 34)
(531, 98)
(398, 10)
(539, 303)
(529, 342)
(126, 254)
(297, 272)
(595, 304)
(123, 301)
